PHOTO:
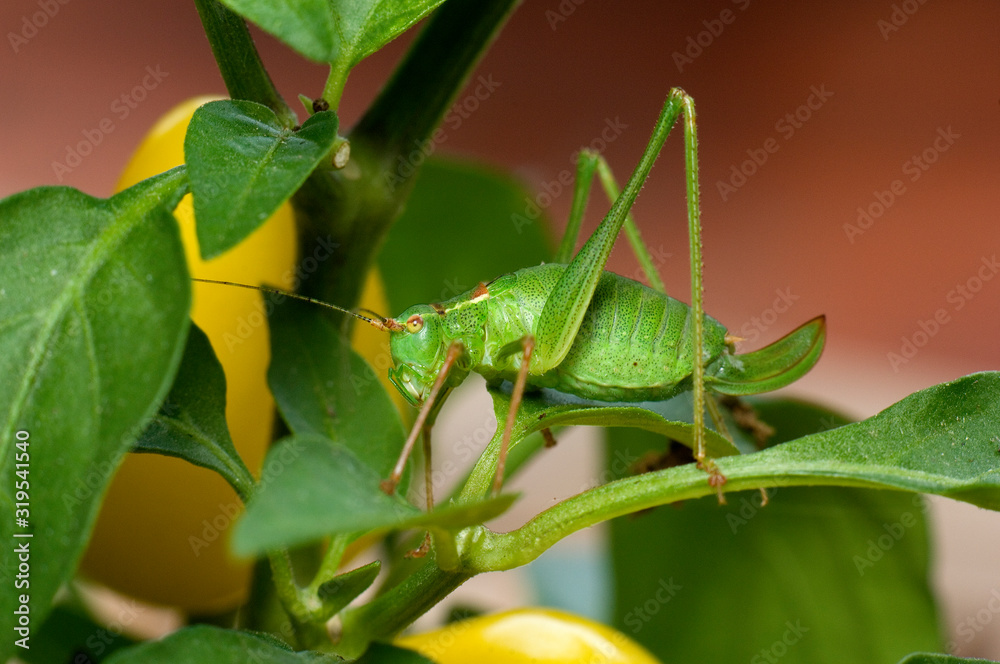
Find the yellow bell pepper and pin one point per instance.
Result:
(161, 534)
(528, 636)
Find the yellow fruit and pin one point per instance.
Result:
(528, 636)
(161, 534)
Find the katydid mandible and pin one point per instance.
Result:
(575, 328)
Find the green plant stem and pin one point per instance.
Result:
(310, 631)
(390, 613)
(238, 60)
(335, 82)
(331, 561)
(423, 87)
(492, 552)
(353, 209)
(480, 550)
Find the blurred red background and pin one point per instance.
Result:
(896, 78)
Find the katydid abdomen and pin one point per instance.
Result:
(634, 343)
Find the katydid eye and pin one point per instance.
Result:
(414, 323)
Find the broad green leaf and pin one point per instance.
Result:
(821, 590)
(462, 224)
(244, 163)
(94, 299)
(191, 423)
(68, 632)
(820, 574)
(941, 440)
(383, 653)
(336, 31)
(321, 488)
(203, 644)
(323, 387)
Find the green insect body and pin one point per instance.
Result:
(634, 343)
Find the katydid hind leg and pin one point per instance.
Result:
(568, 302)
(586, 165)
(591, 163)
(639, 248)
(715, 476)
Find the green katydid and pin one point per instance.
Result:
(575, 328)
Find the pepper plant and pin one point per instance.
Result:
(100, 360)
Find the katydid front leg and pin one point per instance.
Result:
(455, 351)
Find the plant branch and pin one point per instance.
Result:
(238, 60)
(354, 208)
(492, 552)
(391, 612)
(435, 70)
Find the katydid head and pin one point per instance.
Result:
(418, 350)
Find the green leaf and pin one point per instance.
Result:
(941, 440)
(68, 632)
(831, 574)
(312, 488)
(94, 297)
(342, 589)
(336, 31)
(547, 408)
(383, 653)
(191, 423)
(323, 387)
(203, 644)
(464, 221)
(244, 163)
